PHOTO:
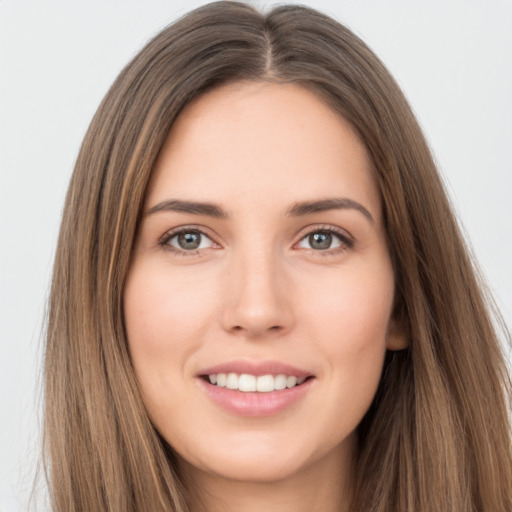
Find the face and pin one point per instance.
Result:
(258, 303)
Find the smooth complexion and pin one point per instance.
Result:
(262, 244)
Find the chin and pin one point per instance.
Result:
(246, 460)
(256, 469)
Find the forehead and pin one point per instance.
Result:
(258, 140)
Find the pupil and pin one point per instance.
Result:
(320, 240)
(189, 240)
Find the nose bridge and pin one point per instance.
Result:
(256, 302)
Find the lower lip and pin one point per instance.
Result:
(254, 404)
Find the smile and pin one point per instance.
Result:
(255, 389)
(251, 383)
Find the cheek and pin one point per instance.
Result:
(162, 307)
(353, 310)
(349, 318)
(165, 320)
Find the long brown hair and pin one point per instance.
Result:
(437, 437)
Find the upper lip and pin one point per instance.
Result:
(256, 368)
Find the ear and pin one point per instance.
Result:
(397, 337)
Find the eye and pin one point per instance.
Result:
(187, 240)
(325, 240)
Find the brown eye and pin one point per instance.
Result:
(189, 240)
(323, 240)
(320, 241)
(326, 241)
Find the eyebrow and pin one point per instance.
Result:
(193, 207)
(297, 210)
(323, 205)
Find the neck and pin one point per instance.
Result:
(323, 486)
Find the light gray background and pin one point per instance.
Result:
(57, 58)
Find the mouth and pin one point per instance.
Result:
(256, 389)
(248, 383)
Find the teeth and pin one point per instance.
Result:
(247, 382)
(221, 380)
(265, 383)
(291, 381)
(250, 383)
(280, 382)
(232, 381)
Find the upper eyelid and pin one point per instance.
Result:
(324, 227)
(181, 229)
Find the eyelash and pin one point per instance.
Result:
(164, 241)
(346, 241)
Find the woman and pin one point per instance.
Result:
(261, 299)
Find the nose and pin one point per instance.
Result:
(257, 300)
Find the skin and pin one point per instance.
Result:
(258, 290)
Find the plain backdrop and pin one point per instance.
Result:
(453, 59)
